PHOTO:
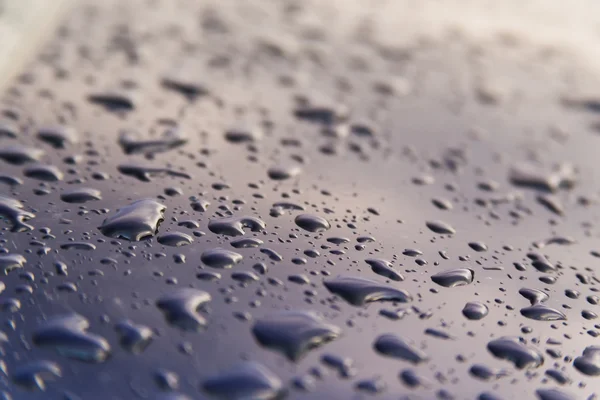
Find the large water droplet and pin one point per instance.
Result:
(220, 258)
(312, 223)
(9, 262)
(440, 227)
(589, 362)
(47, 173)
(234, 226)
(19, 155)
(134, 337)
(294, 333)
(515, 351)
(136, 221)
(359, 291)
(384, 268)
(80, 195)
(454, 277)
(175, 239)
(244, 381)
(34, 374)
(12, 210)
(475, 310)
(393, 346)
(68, 335)
(541, 312)
(58, 136)
(180, 308)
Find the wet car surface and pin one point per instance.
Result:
(268, 200)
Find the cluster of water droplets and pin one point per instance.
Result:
(279, 236)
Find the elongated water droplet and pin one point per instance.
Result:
(294, 333)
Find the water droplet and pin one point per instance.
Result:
(440, 227)
(68, 335)
(9, 262)
(245, 243)
(145, 172)
(475, 310)
(412, 379)
(515, 351)
(454, 277)
(47, 173)
(247, 380)
(534, 296)
(245, 277)
(554, 394)
(359, 291)
(78, 246)
(131, 143)
(478, 246)
(175, 239)
(134, 337)
(220, 258)
(19, 155)
(136, 221)
(34, 374)
(393, 346)
(180, 308)
(81, 195)
(12, 210)
(312, 223)
(241, 135)
(589, 362)
(541, 312)
(234, 226)
(528, 175)
(281, 172)
(58, 136)
(294, 333)
(112, 101)
(384, 268)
